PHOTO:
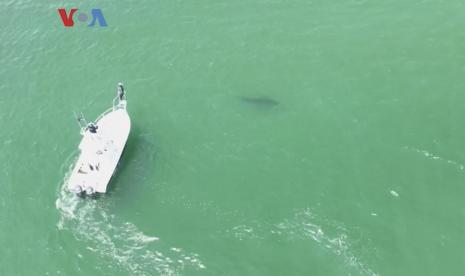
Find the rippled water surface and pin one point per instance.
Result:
(268, 137)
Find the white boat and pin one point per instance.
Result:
(101, 147)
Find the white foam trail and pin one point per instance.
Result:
(120, 243)
(306, 225)
(435, 157)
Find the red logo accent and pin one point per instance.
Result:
(67, 18)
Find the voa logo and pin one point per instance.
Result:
(68, 21)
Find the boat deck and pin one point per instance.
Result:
(100, 152)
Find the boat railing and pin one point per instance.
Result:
(119, 102)
(116, 105)
(104, 113)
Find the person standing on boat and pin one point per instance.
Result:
(120, 91)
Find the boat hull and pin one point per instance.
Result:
(100, 152)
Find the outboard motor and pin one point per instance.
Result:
(121, 92)
(89, 191)
(78, 190)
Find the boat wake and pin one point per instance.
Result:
(305, 225)
(431, 156)
(117, 242)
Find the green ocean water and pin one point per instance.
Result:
(350, 160)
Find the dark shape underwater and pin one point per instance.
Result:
(260, 101)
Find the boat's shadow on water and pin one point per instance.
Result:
(134, 151)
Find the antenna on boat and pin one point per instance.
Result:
(81, 120)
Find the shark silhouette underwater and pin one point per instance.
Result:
(260, 101)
